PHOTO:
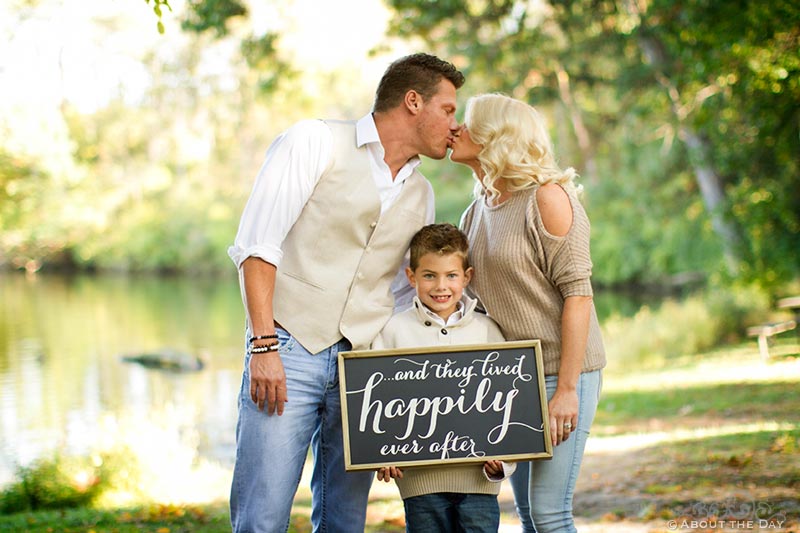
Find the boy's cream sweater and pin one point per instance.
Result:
(418, 327)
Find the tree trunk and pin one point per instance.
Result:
(708, 179)
(713, 196)
(581, 133)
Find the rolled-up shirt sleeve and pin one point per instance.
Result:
(291, 169)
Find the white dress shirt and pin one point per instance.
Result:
(454, 317)
(293, 165)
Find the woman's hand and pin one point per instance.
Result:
(563, 407)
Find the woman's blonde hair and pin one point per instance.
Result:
(516, 146)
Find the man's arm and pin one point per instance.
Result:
(267, 378)
(291, 169)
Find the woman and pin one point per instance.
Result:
(529, 243)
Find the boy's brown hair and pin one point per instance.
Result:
(442, 239)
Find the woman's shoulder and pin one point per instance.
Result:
(554, 207)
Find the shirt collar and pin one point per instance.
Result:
(367, 133)
(462, 307)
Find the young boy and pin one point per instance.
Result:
(457, 497)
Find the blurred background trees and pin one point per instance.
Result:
(682, 118)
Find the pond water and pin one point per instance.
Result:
(64, 386)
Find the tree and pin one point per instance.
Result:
(625, 74)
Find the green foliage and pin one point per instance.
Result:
(654, 337)
(55, 483)
(157, 9)
(452, 187)
(262, 57)
(159, 183)
(27, 194)
(21, 187)
(627, 87)
(203, 15)
(153, 518)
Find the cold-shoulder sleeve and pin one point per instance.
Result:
(565, 260)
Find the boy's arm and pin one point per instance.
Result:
(498, 470)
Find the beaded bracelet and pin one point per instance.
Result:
(261, 337)
(265, 349)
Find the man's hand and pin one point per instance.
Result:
(268, 382)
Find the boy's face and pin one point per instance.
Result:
(440, 281)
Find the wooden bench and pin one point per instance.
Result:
(792, 303)
(765, 332)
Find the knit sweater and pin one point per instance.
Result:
(523, 273)
(417, 327)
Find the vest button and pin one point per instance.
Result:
(373, 224)
(444, 331)
(427, 322)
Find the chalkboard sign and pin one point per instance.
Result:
(453, 404)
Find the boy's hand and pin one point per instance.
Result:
(388, 473)
(493, 469)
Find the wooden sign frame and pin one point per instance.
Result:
(444, 404)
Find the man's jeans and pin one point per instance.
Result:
(551, 484)
(271, 450)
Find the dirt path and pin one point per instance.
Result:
(615, 493)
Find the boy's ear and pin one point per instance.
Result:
(468, 276)
(410, 275)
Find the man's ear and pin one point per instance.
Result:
(413, 101)
(468, 276)
(411, 279)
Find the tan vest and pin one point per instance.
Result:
(340, 257)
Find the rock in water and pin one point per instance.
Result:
(169, 360)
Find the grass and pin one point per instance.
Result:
(694, 404)
(153, 518)
(716, 429)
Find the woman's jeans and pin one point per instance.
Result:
(271, 450)
(450, 512)
(543, 489)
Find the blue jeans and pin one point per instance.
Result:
(520, 481)
(271, 450)
(450, 512)
(543, 489)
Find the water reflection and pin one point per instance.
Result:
(64, 387)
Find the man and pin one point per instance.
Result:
(320, 243)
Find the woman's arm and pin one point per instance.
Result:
(555, 210)
(563, 405)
